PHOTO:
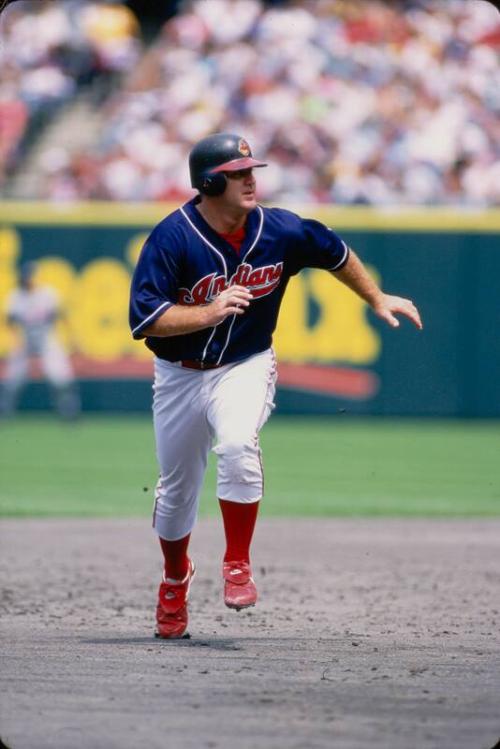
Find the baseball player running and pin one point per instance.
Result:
(205, 295)
(33, 311)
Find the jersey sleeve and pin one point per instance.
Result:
(154, 284)
(317, 246)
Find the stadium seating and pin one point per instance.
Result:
(350, 102)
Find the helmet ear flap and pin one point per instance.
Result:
(212, 184)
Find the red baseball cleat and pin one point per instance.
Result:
(172, 610)
(239, 586)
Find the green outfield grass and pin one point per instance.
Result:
(105, 466)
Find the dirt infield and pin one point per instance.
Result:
(369, 633)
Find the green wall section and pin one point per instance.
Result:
(449, 267)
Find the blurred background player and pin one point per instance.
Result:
(32, 310)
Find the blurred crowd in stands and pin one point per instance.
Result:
(49, 52)
(349, 101)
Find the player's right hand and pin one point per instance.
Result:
(231, 301)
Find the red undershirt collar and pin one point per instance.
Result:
(235, 238)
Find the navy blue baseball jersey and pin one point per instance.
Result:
(184, 261)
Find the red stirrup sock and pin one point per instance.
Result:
(239, 523)
(176, 558)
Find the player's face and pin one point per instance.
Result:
(240, 189)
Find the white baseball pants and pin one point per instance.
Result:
(192, 409)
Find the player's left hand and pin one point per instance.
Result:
(389, 306)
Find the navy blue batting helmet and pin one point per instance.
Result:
(216, 154)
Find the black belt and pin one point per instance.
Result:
(195, 364)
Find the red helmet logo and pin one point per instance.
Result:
(244, 148)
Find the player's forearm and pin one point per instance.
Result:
(180, 320)
(354, 275)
